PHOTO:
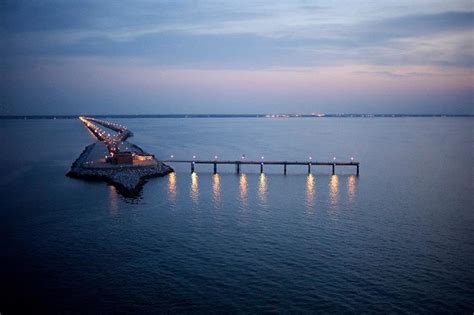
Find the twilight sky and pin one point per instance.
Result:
(162, 57)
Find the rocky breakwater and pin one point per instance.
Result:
(96, 162)
(128, 179)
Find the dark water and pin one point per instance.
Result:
(398, 238)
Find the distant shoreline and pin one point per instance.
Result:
(23, 117)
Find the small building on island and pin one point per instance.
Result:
(123, 157)
(127, 157)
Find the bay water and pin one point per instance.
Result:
(397, 238)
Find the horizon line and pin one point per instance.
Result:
(267, 115)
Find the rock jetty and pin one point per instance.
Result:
(97, 161)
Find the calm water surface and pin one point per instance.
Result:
(398, 238)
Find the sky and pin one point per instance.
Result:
(236, 57)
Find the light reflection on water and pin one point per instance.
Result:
(310, 193)
(194, 188)
(334, 190)
(351, 187)
(172, 187)
(216, 190)
(243, 190)
(113, 198)
(262, 188)
(247, 250)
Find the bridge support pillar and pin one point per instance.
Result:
(261, 168)
(309, 168)
(284, 168)
(192, 167)
(237, 167)
(357, 169)
(333, 169)
(215, 168)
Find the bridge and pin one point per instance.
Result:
(238, 164)
(114, 142)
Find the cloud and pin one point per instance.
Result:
(293, 46)
(130, 19)
(241, 34)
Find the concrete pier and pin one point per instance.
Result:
(238, 164)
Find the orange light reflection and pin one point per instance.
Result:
(172, 186)
(194, 187)
(262, 187)
(351, 183)
(113, 197)
(310, 193)
(216, 187)
(334, 189)
(243, 188)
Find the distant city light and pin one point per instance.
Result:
(194, 156)
(352, 158)
(310, 158)
(263, 157)
(172, 156)
(334, 158)
(215, 157)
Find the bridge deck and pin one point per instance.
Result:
(354, 163)
(238, 163)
